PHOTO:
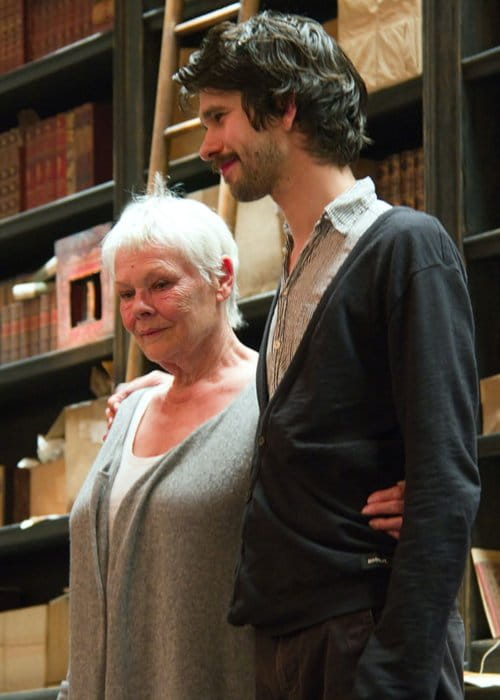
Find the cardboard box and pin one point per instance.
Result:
(383, 38)
(54, 485)
(85, 300)
(259, 236)
(490, 404)
(24, 648)
(85, 427)
(57, 640)
(34, 644)
(48, 489)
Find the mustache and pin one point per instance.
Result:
(219, 161)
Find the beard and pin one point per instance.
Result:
(260, 171)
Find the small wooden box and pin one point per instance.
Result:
(48, 489)
(24, 648)
(85, 304)
(34, 645)
(57, 639)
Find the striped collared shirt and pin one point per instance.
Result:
(340, 227)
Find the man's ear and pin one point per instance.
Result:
(289, 113)
(225, 279)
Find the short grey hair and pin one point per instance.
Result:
(163, 218)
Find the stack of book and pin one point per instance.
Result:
(12, 34)
(30, 29)
(11, 173)
(28, 326)
(68, 152)
(400, 178)
(45, 159)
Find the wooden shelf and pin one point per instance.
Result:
(22, 538)
(482, 245)
(42, 694)
(37, 85)
(482, 65)
(25, 378)
(395, 118)
(489, 445)
(35, 230)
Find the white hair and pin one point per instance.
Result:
(165, 219)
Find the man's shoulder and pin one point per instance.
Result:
(404, 231)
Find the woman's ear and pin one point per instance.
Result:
(225, 279)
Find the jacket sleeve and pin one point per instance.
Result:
(434, 383)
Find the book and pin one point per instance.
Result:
(487, 568)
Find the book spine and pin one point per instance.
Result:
(44, 324)
(71, 182)
(61, 171)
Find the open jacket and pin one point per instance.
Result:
(382, 387)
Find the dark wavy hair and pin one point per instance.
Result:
(274, 58)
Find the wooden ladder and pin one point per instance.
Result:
(164, 129)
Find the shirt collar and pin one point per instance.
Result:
(344, 211)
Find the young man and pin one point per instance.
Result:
(366, 376)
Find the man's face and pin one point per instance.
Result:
(250, 161)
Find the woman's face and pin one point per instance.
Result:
(167, 306)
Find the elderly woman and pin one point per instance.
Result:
(155, 529)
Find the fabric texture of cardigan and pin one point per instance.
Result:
(148, 619)
(382, 387)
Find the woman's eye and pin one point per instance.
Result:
(161, 284)
(126, 295)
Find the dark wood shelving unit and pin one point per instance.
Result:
(38, 84)
(461, 93)
(27, 376)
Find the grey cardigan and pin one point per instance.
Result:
(148, 618)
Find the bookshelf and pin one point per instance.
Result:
(443, 110)
(461, 97)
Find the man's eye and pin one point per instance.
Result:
(126, 295)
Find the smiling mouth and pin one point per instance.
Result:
(224, 166)
(150, 332)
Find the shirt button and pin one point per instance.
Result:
(261, 440)
(284, 293)
(276, 344)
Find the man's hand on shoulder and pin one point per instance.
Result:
(124, 389)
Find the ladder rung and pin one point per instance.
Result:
(203, 21)
(182, 127)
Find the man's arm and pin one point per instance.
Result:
(434, 379)
(384, 507)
